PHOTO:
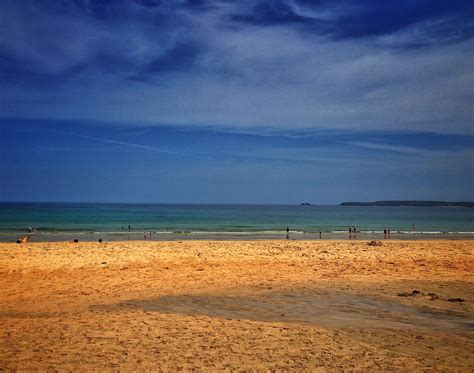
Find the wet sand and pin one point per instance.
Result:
(213, 305)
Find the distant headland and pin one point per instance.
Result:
(411, 203)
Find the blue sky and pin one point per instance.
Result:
(236, 101)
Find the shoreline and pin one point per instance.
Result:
(231, 236)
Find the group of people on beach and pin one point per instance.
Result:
(352, 232)
(288, 233)
(145, 235)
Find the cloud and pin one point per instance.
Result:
(94, 162)
(385, 147)
(356, 19)
(267, 13)
(256, 66)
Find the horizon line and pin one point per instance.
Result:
(235, 203)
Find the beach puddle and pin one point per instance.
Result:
(334, 310)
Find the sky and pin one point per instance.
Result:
(258, 101)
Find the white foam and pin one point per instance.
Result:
(246, 233)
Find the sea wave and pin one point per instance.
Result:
(135, 233)
(246, 233)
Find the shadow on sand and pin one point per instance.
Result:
(334, 310)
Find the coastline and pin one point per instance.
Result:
(9, 237)
(89, 222)
(263, 304)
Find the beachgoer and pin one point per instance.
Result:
(320, 233)
(122, 228)
(287, 233)
(100, 240)
(129, 228)
(414, 227)
(30, 229)
(144, 235)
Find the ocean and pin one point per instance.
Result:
(91, 221)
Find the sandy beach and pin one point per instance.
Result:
(245, 305)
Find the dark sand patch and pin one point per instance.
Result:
(333, 310)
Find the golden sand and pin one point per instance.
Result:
(246, 305)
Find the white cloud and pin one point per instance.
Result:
(248, 77)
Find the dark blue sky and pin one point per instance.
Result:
(230, 101)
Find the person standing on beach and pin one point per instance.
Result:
(129, 228)
(320, 234)
(287, 233)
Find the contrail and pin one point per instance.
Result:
(152, 148)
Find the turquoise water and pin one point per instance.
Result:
(61, 220)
